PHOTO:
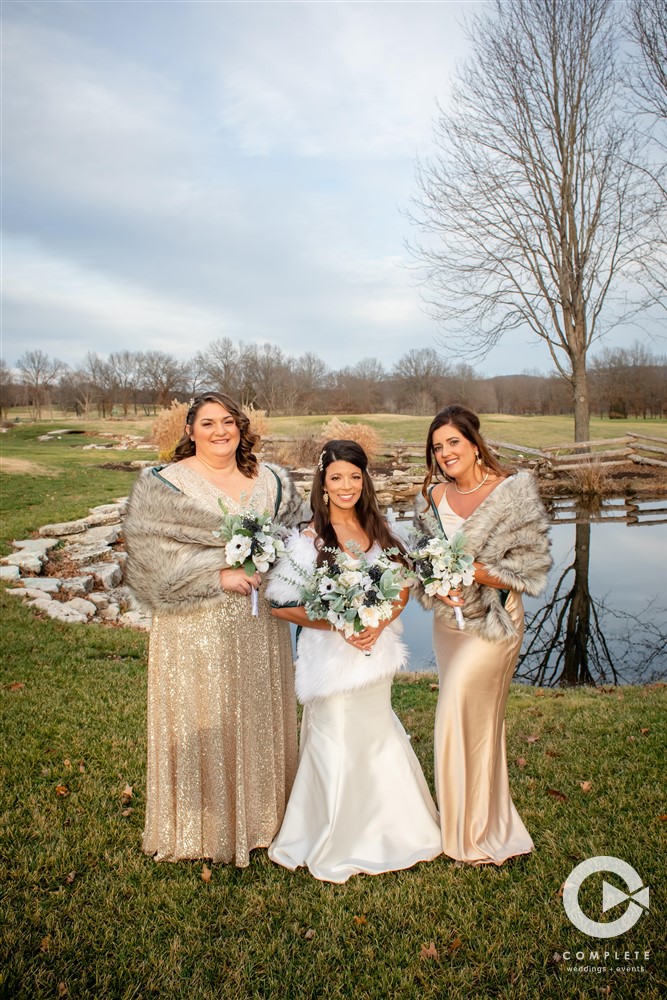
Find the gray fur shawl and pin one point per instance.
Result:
(174, 560)
(509, 534)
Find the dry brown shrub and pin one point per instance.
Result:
(168, 429)
(590, 479)
(300, 452)
(258, 422)
(361, 433)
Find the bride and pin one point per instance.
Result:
(360, 802)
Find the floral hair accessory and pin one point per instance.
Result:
(320, 461)
(191, 403)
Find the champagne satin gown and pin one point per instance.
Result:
(222, 729)
(479, 821)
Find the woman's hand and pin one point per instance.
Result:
(236, 581)
(365, 640)
(454, 598)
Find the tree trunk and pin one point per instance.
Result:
(582, 412)
(577, 634)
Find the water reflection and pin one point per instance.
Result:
(604, 617)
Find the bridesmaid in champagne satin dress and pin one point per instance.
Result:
(501, 515)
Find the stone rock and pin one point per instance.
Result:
(96, 447)
(136, 619)
(27, 561)
(107, 574)
(110, 614)
(86, 553)
(10, 573)
(108, 508)
(78, 586)
(124, 597)
(81, 605)
(61, 612)
(110, 517)
(120, 556)
(65, 528)
(38, 546)
(100, 601)
(45, 584)
(105, 534)
(31, 593)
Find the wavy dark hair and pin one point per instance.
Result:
(245, 460)
(467, 424)
(366, 508)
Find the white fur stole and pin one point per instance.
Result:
(326, 664)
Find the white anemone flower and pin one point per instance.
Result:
(237, 549)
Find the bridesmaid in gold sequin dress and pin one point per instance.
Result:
(506, 530)
(222, 745)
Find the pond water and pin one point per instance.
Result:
(603, 617)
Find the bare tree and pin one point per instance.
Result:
(39, 375)
(218, 366)
(648, 84)
(124, 369)
(7, 388)
(533, 204)
(163, 377)
(419, 374)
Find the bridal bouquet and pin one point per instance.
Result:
(352, 593)
(441, 565)
(253, 543)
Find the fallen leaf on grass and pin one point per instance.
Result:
(430, 952)
(455, 945)
(360, 921)
(631, 739)
(62, 790)
(561, 890)
(62, 990)
(645, 730)
(15, 686)
(556, 794)
(533, 738)
(70, 878)
(521, 762)
(539, 693)
(433, 687)
(45, 943)
(82, 767)
(67, 763)
(552, 753)
(126, 796)
(586, 785)
(127, 812)
(556, 957)
(309, 934)
(662, 817)
(206, 874)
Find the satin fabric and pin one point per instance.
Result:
(479, 821)
(360, 802)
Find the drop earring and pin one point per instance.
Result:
(478, 458)
(325, 497)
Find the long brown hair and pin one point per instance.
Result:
(366, 507)
(467, 424)
(245, 460)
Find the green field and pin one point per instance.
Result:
(86, 915)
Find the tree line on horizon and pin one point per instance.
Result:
(624, 382)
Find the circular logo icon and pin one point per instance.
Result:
(637, 897)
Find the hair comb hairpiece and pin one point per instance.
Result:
(191, 403)
(320, 461)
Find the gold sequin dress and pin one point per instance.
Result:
(222, 741)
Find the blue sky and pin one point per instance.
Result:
(179, 171)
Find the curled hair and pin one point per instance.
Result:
(467, 424)
(245, 460)
(366, 508)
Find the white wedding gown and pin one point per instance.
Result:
(360, 802)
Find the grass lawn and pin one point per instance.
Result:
(86, 915)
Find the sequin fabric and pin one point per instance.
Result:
(222, 742)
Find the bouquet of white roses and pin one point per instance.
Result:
(441, 564)
(253, 543)
(352, 593)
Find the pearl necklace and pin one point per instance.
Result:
(464, 493)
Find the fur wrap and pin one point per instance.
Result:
(326, 664)
(509, 534)
(174, 560)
